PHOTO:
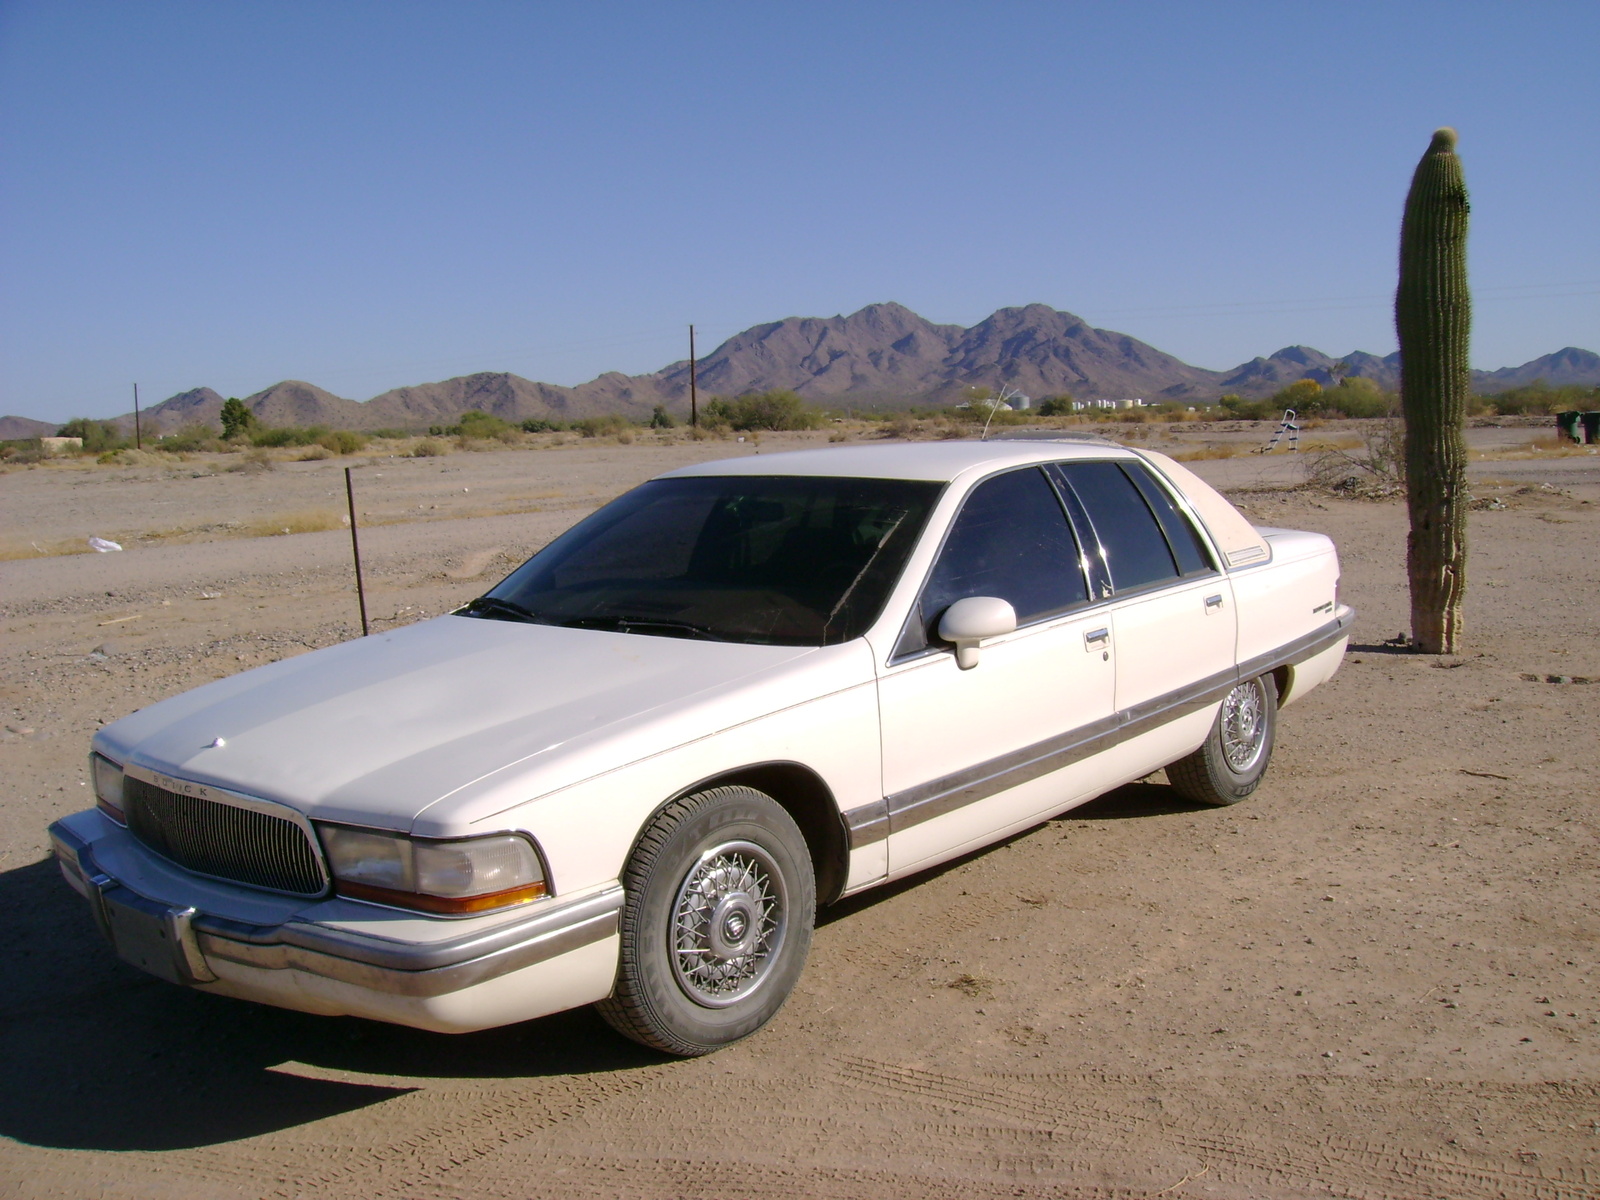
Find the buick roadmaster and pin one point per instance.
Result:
(628, 773)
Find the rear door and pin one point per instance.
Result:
(1172, 611)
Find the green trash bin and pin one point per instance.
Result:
(1571, 425)
(1591, 427)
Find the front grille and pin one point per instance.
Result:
(223, 840)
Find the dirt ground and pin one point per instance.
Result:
(1376, 978)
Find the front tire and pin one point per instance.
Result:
(1229, 766)
(720, 905)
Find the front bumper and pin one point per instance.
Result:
(491, 973)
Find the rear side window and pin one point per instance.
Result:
(1184, 542)
(1010, 540)
(1136, 551)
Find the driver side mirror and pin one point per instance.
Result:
(973, 620)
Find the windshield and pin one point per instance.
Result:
(785, 560)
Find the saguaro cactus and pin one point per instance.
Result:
(1433, 315)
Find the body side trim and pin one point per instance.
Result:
(912, 806)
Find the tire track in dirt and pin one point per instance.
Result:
(459, 1126)
(609, 1177)
(1350, 1167)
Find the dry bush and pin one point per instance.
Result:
(1375, 471)
(133, 458)
(1207, 453)
(12, 548)
(429, 448)
(310, 520)
(313, 454)
(1345, 441)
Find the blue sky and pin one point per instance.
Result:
(365, 195)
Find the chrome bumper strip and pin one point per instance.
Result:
(874, 822)
(381, 964)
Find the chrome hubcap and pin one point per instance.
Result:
(1244, 726)
(728, 924)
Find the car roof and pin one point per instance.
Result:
(938, 461)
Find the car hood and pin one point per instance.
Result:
(377, 729)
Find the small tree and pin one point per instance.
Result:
(661, 418)
(1433, 316)
(237, 420)
(98, 436)
(1303, 395)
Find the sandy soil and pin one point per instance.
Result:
(1377, 978)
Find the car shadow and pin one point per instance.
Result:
(1131, 801)
(97, 1055)
(1128, 802)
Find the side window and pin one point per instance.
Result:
(1181, 536)
(1135, 549)
(1010, 540)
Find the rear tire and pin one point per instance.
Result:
(1231, 763)
(720, 905)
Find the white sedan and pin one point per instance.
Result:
(628, 773)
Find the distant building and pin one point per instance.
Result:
(1081, 405)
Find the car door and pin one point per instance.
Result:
(1172, 611)
(971, 754)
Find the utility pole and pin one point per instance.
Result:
(138, 442)
(694, 395)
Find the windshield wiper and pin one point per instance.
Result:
(496, 609)
(641, 625)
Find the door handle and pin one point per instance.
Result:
(1096, 639)
(1213, 603)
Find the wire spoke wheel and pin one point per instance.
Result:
(728, 924)
(1244, 726)
(1230, 764)
(721, 897)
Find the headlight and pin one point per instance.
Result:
(472, 875)
(107, 778)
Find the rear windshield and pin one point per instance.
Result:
(784, 560)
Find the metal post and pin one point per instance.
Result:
(355, 549)
(138, 441)
(694, 398)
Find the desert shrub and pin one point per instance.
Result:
(342, 441)
(191, 438)
(1359, 398)
(541, 425)
(288, 435)
(606, 426)
(22, 450)
(254, 460)
(393, 435)
(1240, 409)
(660, 418)
(1540, 399)
(481, 425)
(778, 410)
(313, 452)
(1055, 406)
(429, 448)
(99, 437)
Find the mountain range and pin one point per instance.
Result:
(883, 356)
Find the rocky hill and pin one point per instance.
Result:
(882, 356)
